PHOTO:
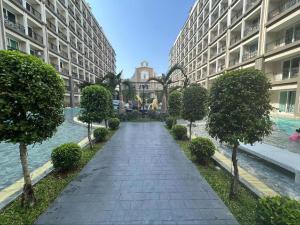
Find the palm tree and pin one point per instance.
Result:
(165, 80)
(112, 81)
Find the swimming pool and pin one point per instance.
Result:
(282, 129)
(39, 154)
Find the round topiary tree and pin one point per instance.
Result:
(179, 132)
(175, 102)
(114, 123)
(202, 149)
(94, 104)
(66, 156)
(31, 106)
(100, 134)
(194, 104)
(240, 108)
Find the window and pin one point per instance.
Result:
(9, 16)
(12, 44)
(291, 68)
(287, 101)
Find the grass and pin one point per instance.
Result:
(46, 191)
(244, 207)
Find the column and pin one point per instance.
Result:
(297, 104)
(71, 84)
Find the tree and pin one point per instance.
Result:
(31, 106)
(112, 81)
(128, 90)
(194, 104)
(109, 109)
(165, 80)
(175, 102)
(240, 107)
(94, 104)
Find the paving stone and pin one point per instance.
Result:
(141, 177)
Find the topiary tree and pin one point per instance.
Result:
(94, 104)
(202, 149)
(239, 111)
(31, 106)
(175, 102)
(109, 109)
(194, 104)
(66, 156)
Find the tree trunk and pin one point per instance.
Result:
(191, 130)
(28, 199)
(106, 123)
(89, 135)
(121, 103)
(164, 104)
(235, 179)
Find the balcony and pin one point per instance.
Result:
(19, 2)
(33, 12)
(251, 3)
(53, 47)
(35, 36)
(283, 41)
(74, 60)
(64, 54)
(250, 29)
(287, 75)
(220, 67)
(236, 16)
(51, 26)
(14, 26)
(62, 35)
(50, 6)
(249, 55)
(63, 2)
(233, 61)
(61, 17)
(282, 7)
(55, 66)
(235, 39)
(65, 72)
(73, 43)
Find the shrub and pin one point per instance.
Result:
(278, 211)
(170, 122)
(100, 134)
(66, 156)
(179, 132)
(202, 149)
(114, 123)
(134, 115)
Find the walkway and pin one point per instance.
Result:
(140, 178)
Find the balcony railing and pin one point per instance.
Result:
(34, 12)
(249, 55)
(283, 41)
(64, 53)
(74, 60)
(15, 26)
(251, 29)
(65, 72)
(284, 6)
(221, 49)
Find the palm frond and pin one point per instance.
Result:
(173, 69)
(159, 80)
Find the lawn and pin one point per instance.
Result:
(46, 191)
(243, 208)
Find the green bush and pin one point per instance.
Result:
(66, 156)
(170, 122)
(100, 134)
(202, 149)
(278, 211)
(179, 132)
(134, 115)
(113, 123)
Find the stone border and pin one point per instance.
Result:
(77, 121)
(10, 193)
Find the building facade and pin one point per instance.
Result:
(141, 76)
(224, 35)
(63, 33)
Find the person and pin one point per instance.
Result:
(295, 136)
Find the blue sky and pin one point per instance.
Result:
(141, 29)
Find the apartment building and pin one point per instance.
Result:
(63, 33)
(224, 35)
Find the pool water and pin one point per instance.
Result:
(38, 154)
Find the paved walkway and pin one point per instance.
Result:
(140, 178)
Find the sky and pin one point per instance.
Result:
(141, 30)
